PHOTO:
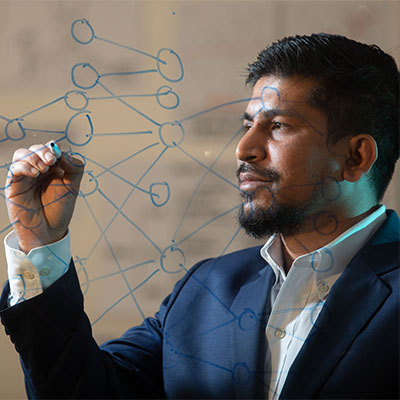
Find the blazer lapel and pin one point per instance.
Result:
(355, 297)
(248, 341)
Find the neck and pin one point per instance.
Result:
(318, 232)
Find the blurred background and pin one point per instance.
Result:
(116, 83)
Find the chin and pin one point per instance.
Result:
(260, 221)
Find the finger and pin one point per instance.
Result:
(45, 153)
(71, 165)
(22, 168)
(32, 157)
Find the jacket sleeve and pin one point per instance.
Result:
(60, 358)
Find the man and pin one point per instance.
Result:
(312, 314)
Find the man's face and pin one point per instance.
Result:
(287, 174)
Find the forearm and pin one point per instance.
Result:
(62, 360)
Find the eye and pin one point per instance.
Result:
(277, 125)
(246, 126)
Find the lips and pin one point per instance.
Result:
(250, 182)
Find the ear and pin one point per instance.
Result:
(362, 154)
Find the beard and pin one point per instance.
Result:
(279, 217)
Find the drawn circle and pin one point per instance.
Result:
(14, 130)
(174, 58)
(172, 257)
(89, 184)
(77, 95)
(89, 135)
(320, 222)
(265, 100)
(241, 374)
(328, 192)
(171, 133)
(247, 320)
(167, 91)
(315, 267)
(89, 31)
(86, 71)
(27, 215)
(160, 197)
(3, 122)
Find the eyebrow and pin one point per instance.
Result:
(276, 112)
(268, 114)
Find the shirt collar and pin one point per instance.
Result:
(330, 260)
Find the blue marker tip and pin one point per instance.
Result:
(55, 150)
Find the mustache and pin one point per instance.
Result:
(269, 174)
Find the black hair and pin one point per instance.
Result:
(357, 89)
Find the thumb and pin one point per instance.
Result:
(71, 165)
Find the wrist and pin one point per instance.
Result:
(28, 242)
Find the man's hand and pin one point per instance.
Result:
(41, 193)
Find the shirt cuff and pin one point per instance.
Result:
(30, 274)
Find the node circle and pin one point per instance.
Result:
(82, 27)
(159, 193)
(172, 260)
(171, 133)
(241, 373)
(89, 184)
(173, 61)
(270, 101)
(88, 75)
(331, 190)
(88, 136)
(165, 92)
(14, 130)
(76, 96)
(247, 320)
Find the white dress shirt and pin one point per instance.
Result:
(298, 297)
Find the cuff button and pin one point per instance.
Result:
(44, 271)
(28, 275)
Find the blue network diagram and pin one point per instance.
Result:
(161, 139)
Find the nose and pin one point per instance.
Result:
(252, 146)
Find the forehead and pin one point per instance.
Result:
(271, 93)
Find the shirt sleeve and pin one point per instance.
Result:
(30, 274)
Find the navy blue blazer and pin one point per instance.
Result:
(208, 338)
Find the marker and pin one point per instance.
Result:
(55, 150)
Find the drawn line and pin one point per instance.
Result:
(123, 179)
(217, 107)
(130, 221)
(130, 95)
(205, 224)
(117, 272)
(128, 105)
(125, 159)
(207, 168)
(41, 107)
(128, 73)
(124, 202)
(202, 179)
(123, 133)
(115, 259)
(130, 48)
